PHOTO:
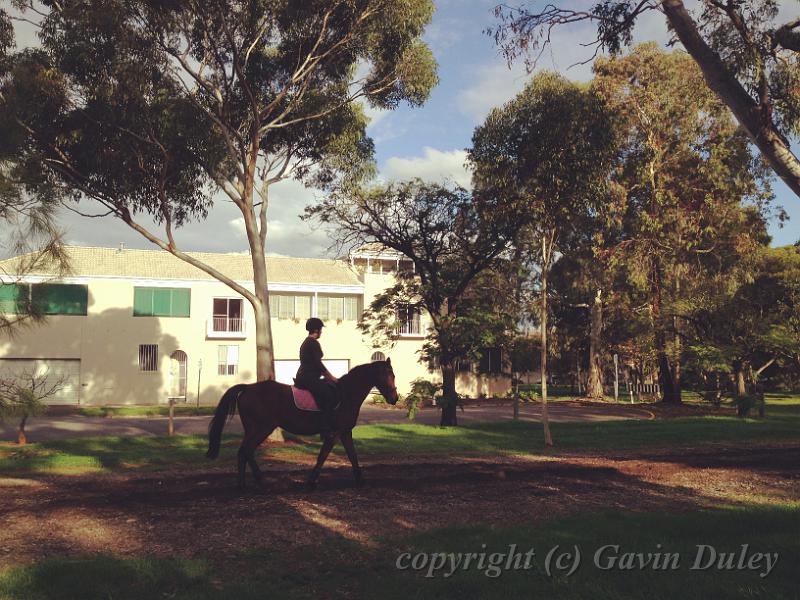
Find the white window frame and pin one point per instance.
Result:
(148, 357)
(231, 364)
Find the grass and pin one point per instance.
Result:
(77, 455)
(345, 569)
(143, 411)
(95, 454)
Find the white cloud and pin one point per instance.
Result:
(493, 85)
(222, 231)
(570, 53)
(434, 165)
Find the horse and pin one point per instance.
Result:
(265, 405)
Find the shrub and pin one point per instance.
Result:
(421, 390)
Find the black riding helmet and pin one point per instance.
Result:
(314, 324)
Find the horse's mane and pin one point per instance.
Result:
(353, 373)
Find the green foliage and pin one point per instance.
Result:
(456, 241)
(549, 149)
(756, 57)
(21, 402)
(422, 391)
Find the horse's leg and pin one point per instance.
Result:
(347, 442)
(255, 442)
(327, 445)
(242, 464)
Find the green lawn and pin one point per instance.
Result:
(344, 569)
(154, 453)
(144, 411)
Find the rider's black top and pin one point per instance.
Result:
(311, 368)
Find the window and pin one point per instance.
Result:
(376, 356)
(464, 366)
(148, 357)
(161, 302)
(491, 361)
(13, 297)
(60, 299)
(408, 319)
(45, 298)
(228, 314)
(337, 308)
(287, 306)
(228, 360)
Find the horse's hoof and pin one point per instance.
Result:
(311, 486)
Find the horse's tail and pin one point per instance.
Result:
(225, 410)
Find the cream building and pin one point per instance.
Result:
(141, 326)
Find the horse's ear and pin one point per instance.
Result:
(389, 361)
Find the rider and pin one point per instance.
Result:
(312, 370)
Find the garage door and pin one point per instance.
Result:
(63, 374)
(285, 370)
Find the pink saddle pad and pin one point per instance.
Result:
(304, 400)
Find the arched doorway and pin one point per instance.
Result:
(376, 356)
(177, 375)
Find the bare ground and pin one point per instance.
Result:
(191, 513)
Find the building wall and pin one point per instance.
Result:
(107, 341)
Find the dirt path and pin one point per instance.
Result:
(173, 513)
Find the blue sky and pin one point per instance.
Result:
(428, 142)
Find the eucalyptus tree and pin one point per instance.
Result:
(748, 55)
(159, 110)
(548, 152)
(692, 199)
(458, 243)
(759, 325)
(28, 209)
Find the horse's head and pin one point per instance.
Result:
(385, 383)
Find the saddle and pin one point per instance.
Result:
(304, 400)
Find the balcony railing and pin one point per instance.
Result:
(411, 327)
(226, 327)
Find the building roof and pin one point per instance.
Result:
(375, 250)
(159, 264)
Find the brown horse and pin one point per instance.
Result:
(265, 405)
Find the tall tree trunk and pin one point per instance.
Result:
(449, 395)
(594, 384)
(754, 117)
(666, 379)
(22, 439)
(546, 253)
(741, 383)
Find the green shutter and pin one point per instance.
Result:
(142, 302)
(60, 299)
(12, 297)
(181, 302)
(162, 302)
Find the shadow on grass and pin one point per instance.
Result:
(343, 569)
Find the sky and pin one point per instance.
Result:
(427, 142)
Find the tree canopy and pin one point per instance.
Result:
(161, 109)
(747, 56)
(457, 242)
